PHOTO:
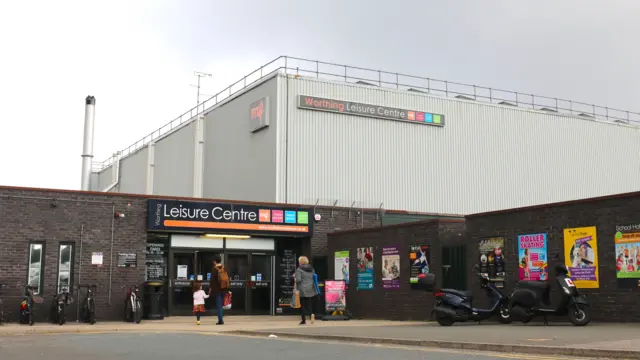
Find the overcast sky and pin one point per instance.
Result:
(137, 58)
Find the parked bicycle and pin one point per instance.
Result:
(132, 304)
(60, 302)
(89, 304)
(27, 305)
(1, 305)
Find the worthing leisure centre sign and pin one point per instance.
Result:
(191, 216)
(382, 112)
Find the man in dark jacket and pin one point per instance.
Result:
(214, 288)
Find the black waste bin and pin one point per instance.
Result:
(153, 292)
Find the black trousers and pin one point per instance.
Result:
(307, 306)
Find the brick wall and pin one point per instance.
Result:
(29, 216)
(53, 217)
(404, 303)
(339, 219)
(610, 302)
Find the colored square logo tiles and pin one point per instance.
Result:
(428, 118)
(436, 119)
(277, 216)
(411, 115)
(290, 217)
(264, 215)
(419, 116)
(303, 217)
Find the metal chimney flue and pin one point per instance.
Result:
(87, 146)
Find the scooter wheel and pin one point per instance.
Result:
(444, 320)
(579, 315)
(504, 315)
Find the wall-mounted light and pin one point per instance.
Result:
(219, 236)
(118, 214)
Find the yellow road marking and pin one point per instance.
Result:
(539, 339)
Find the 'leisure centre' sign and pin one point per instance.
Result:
(191, 216)
(382, 112)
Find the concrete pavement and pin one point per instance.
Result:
(621, 341)
(145, 346)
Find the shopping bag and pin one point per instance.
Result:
(295, 299)
(315, 282)
(226, 302)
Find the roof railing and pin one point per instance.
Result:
(385, 79)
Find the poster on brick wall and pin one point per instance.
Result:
(390, 268)
(627, 241)
(419, 260)
(365, 268)
(492, 259)
(341, 263)
(581, 256)
(532, 255)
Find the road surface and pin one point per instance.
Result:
(161, 346)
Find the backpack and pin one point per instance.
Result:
(223, 278)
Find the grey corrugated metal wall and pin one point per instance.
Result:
(239, 164)
(486, 157)
(135, 168)
(173, 164)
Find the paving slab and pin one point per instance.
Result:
(181, 324)
(599, 340)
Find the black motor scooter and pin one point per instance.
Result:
(533, 298)
(456, 306)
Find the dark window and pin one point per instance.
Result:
(36, 267)
(65, 267)
(321, 266)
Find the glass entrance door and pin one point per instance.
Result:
(182, 270)
(261, 284)
(237, 266)
(204, 266)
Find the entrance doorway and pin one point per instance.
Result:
(454, 267)
(251, 280)
(250, 275)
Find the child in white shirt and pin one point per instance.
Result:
(198, 301)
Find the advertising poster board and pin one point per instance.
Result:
(390, 268)
(341, 261)
(627, 252)
(532, 253)
(335, 295)
(581, 256)
(419, 258)
(365, 268)
(492, 259)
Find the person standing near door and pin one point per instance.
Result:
(219, 286)
(305, 285)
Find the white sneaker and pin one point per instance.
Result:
(313, 318)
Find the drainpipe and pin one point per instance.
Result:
(115, 172)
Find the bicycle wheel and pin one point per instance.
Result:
(127, 310)
(138, 313)
(61, 318)
(92, 312)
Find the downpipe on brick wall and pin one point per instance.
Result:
(113, 224)
(79, 275)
